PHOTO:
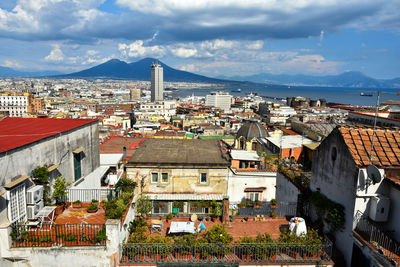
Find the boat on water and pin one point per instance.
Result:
(236, 90)
(366, 94)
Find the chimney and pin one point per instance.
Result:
(124, 156)
(225, 210)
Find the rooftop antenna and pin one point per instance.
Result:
(372, 171)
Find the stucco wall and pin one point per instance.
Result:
(337, 180)
(286, 191)
(181, 180)
(238, 182)
(53, 150)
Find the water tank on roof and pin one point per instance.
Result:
(379, 209)
(289, 101)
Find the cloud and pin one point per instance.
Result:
(138, 49)
(12, 64)
(256, 45)
(56, 54)
(184, 52)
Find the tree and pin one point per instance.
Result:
(41, 177)
(144, 206)
(217, 234)
(60, 189)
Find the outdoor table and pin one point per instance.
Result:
(181, 227)
(298, 226)
(46, 212)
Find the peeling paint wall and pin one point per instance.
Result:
(181, 180)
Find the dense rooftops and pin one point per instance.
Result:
(17, 132)
(179, 152)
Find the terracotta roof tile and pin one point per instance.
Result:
(386, 150)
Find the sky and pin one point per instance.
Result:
(210, 37)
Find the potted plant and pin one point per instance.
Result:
(92, 208)
(169, 216)
(242, 204)
(257, 204)
(95, 201)
(274, 204)
(77, 204)
(60, 190)
(274, 214)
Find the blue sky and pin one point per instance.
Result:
(210, 37)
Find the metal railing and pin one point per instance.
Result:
(86, 195)
(385, 245)
(237, 252)
(284, 209)
(47, 235)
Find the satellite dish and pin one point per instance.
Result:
(374, 174)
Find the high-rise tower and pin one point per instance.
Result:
(157, 86)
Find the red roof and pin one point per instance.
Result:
(17, 132)
(386, 145)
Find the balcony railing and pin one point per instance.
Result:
(66, 235)
(386, 247)
(230, 253)
(86, 195)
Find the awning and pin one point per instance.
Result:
(254, 189)
(52, 167)
(187, 197)
(16, 182)
(78, 150)
(181, 227)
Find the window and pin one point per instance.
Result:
(154, 177)
(203, 178)
(17, 205)
(77, 166)
(160, 207)
(164, 177)
(254, 196)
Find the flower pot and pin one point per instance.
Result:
(92, 211)
(274, 206)
(77, 205)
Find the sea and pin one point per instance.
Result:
(341, 95)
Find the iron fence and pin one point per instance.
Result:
(230, 253)
(46, 235)
(283, 209)
(385, 245)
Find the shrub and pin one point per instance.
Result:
(92, 207)
(60, 189)
(274, 202)
(95, 201)
(170, 216)
(77, 202)
(217, 234)
(126, 185)
(136, 224)
(144, 206)
(101, 235)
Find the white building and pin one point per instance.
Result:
(157, 86)
(16, 105)
(220, 100)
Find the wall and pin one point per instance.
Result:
(181, 180)
(238, 182)
(53, 150)
(337, 180)
(286, 191)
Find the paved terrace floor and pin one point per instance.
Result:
(237, 228)
(81, 216)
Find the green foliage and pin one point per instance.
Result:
(186, 239)
(330, 211)
(274, 214)
(312, 237)
(137, 224)
(95, 201)
(178, 204)
(144, 206)
(217, 234)
(60, 189)
(170, 216)
(216, 208)
(158, 239)
(92, 207)
(274, 202)
(116, 208)
(126, 185)
(77, 202)
(101, 235)
(41, 175)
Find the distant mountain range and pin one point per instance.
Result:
(9, 72)
(347, 79)
(140, 70)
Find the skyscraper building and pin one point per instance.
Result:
(157, 86)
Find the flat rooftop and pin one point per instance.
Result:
(179, 152)
(17, 132)
(290, 141)
(245, 155)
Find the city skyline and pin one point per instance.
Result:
(209, 38)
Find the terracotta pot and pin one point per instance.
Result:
(92, 211)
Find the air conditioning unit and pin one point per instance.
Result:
(34, 194)
(33, 210)
(379, 208)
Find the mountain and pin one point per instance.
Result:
(140, 70)
(9, 72)
(346, 79)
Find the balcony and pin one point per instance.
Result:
(385, 248)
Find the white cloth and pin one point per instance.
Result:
(298, 226)
(181, 227)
